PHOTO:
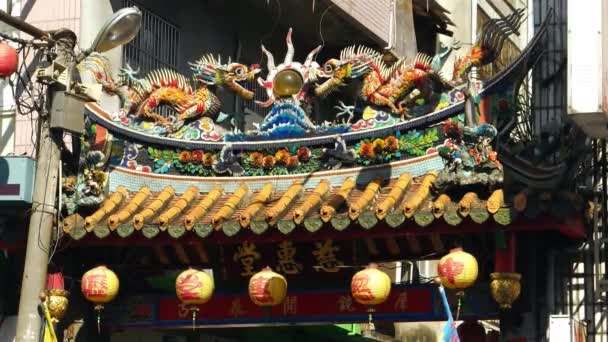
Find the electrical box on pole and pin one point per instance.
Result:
(67, 115)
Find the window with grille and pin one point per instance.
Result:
(156, 45)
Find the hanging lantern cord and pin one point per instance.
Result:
(99, 309)
(370, 322)
(459, 296)
(194, 309)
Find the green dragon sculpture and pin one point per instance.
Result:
(164, 86)
(394, 87)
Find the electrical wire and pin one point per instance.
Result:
(274, 27)
(321, 24)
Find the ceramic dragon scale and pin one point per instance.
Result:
(383, 86)
(398, 86)
(165, 86)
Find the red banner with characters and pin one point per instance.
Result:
(405, 303)
(413, 303)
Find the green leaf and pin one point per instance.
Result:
(167, 154)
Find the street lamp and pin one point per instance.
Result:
(120, 29)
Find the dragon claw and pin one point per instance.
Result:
(345, 110)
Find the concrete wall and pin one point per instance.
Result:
(374, 15)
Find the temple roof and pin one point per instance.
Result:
(404, 201)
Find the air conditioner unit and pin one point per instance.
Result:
(17, 176)
(588, 67)
(562, 328)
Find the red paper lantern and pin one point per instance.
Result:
(194, 287)
(99, 285)
(267, 288)
(9, 59)
(457, 270)
(370, 286)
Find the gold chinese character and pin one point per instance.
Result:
(286, 255)
(236, 308)
(183, 310)
(345, 304)
(247, 255)
(401, 302)
(326, 259)
(290, 305)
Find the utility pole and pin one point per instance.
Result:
(44, 206)
(118, 30)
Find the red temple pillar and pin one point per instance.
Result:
(505, 257)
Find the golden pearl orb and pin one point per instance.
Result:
(287, 82)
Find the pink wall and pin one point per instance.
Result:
(47, 15)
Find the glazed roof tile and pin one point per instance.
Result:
(394, 202)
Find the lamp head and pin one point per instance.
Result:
(120, 29)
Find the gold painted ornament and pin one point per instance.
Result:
(287, 82)
(55, 297)
(57, 303)
(99, 285)
(267, 288)
(505, 288)
(194, 287)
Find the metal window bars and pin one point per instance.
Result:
(156, 45)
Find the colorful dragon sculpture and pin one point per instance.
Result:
(308, 72)
(164, 86)
(488, 45)
(392, 87)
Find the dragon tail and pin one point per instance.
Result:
(99, 67)
(496, 31)
(489, 44)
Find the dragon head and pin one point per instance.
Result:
(354, 62)
(211, 71)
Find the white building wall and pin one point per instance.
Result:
(7, 102)
(47, 15)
